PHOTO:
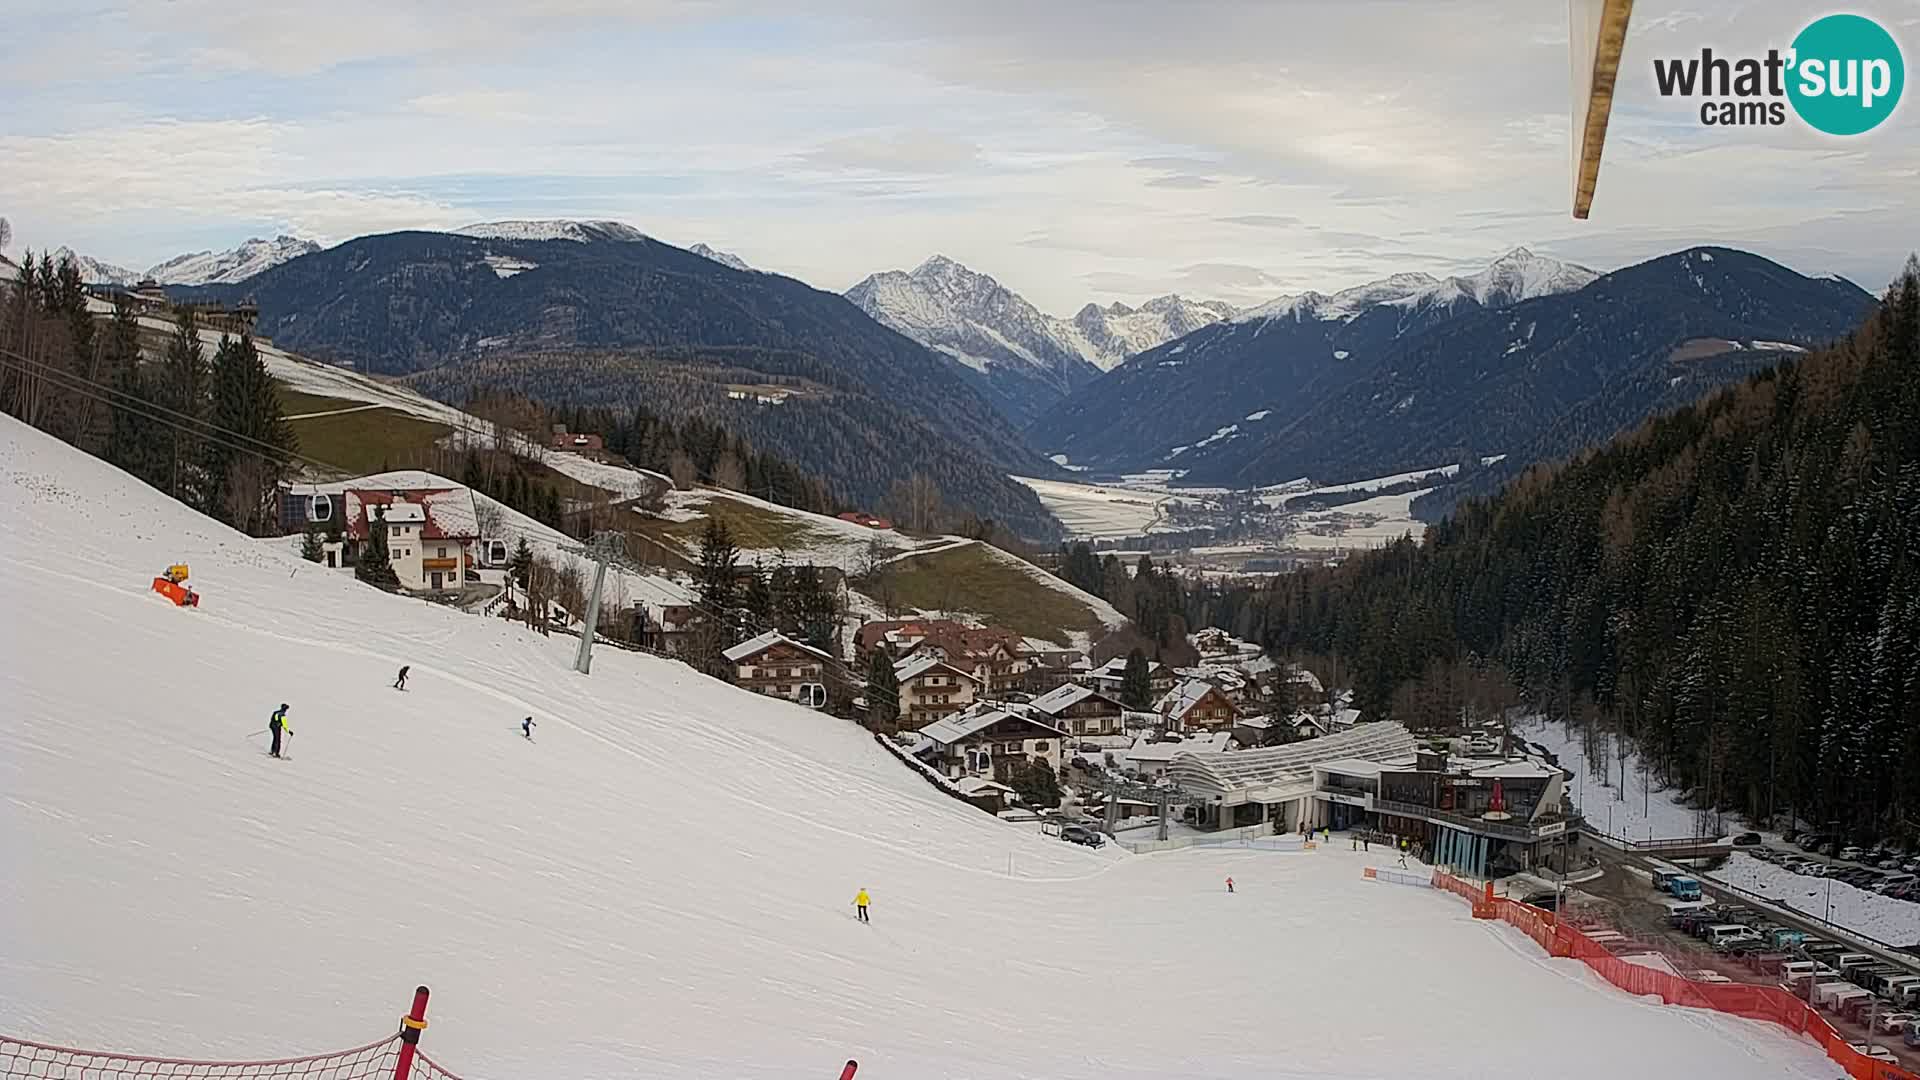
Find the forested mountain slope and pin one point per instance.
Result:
(1736, 584)
(600, 317)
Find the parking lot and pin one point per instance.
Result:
(1882, 871)
(1787, 951)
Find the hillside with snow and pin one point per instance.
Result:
(658, 884)
(724, 258)
(579, 232)
(93, 271)
(226, 267)
(1024, 359)
(195, 268)
(1410, 369)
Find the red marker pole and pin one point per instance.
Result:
(852, 1067)
(411, 1025)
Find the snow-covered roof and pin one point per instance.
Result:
(1249, 769)
(952, 729)
(1216, 742)
(1182, 698)
(915, 666)
(1346, 718)
(1258, 723)
(1352, 767)
(754, 646)
(1061, 698)
(1517, 770)
(980, 785)
(444, 513)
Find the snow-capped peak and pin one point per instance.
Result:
(243, 262)
(1342, 306)
(1518, 275)
(581, 232)
(724, 258)
(968, 315)
(93, 271)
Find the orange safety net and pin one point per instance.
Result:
(1769, 1003)
(21, 1059)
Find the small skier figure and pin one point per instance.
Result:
(1229, 884)
(401, 682)
(1354, 839)
(526, 728)
(860, 902)
(1403, 851)
(275, 725)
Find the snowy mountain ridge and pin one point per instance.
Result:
(195, 268)
(724, 258)
(1518, 275)
(92, 270)
(226, 267)
(580, 232)
(942, 301)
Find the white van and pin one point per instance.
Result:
(1727, 933)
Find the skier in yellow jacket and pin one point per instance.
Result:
(860, 901)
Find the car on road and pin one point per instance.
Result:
(1080, 834)
(1746, 839)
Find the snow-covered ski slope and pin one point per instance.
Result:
(659, 885)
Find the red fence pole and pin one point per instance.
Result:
(852, 1067)
(411, 1025)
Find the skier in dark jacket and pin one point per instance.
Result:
(526, 728)
(401, 682)
(275, 725)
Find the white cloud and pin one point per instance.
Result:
(1077, 150)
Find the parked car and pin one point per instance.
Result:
(1725, 935)
(1877, 1053)
(1894, 881)
(1746, 839)
(1851, 852)
(1080, 834)
(1893, 1023)
(1912, 1036)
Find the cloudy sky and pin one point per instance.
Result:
(1076, 149)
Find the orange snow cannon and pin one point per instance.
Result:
(173, 585)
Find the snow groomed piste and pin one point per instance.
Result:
(660, 884)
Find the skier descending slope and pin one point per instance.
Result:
(526, 728)
(401, 682)
(860, 901)
(275, 725)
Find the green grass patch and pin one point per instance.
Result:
(992, 585)
(368, 441)
(295, 403)
(752, 527)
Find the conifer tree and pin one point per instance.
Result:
(241, 473)
(375, 566)
(1136, 687)
(183, 390)
(715, 578)
(883, 693)
(311, 548)
(520, 567)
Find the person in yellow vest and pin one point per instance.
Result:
(860, 902)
